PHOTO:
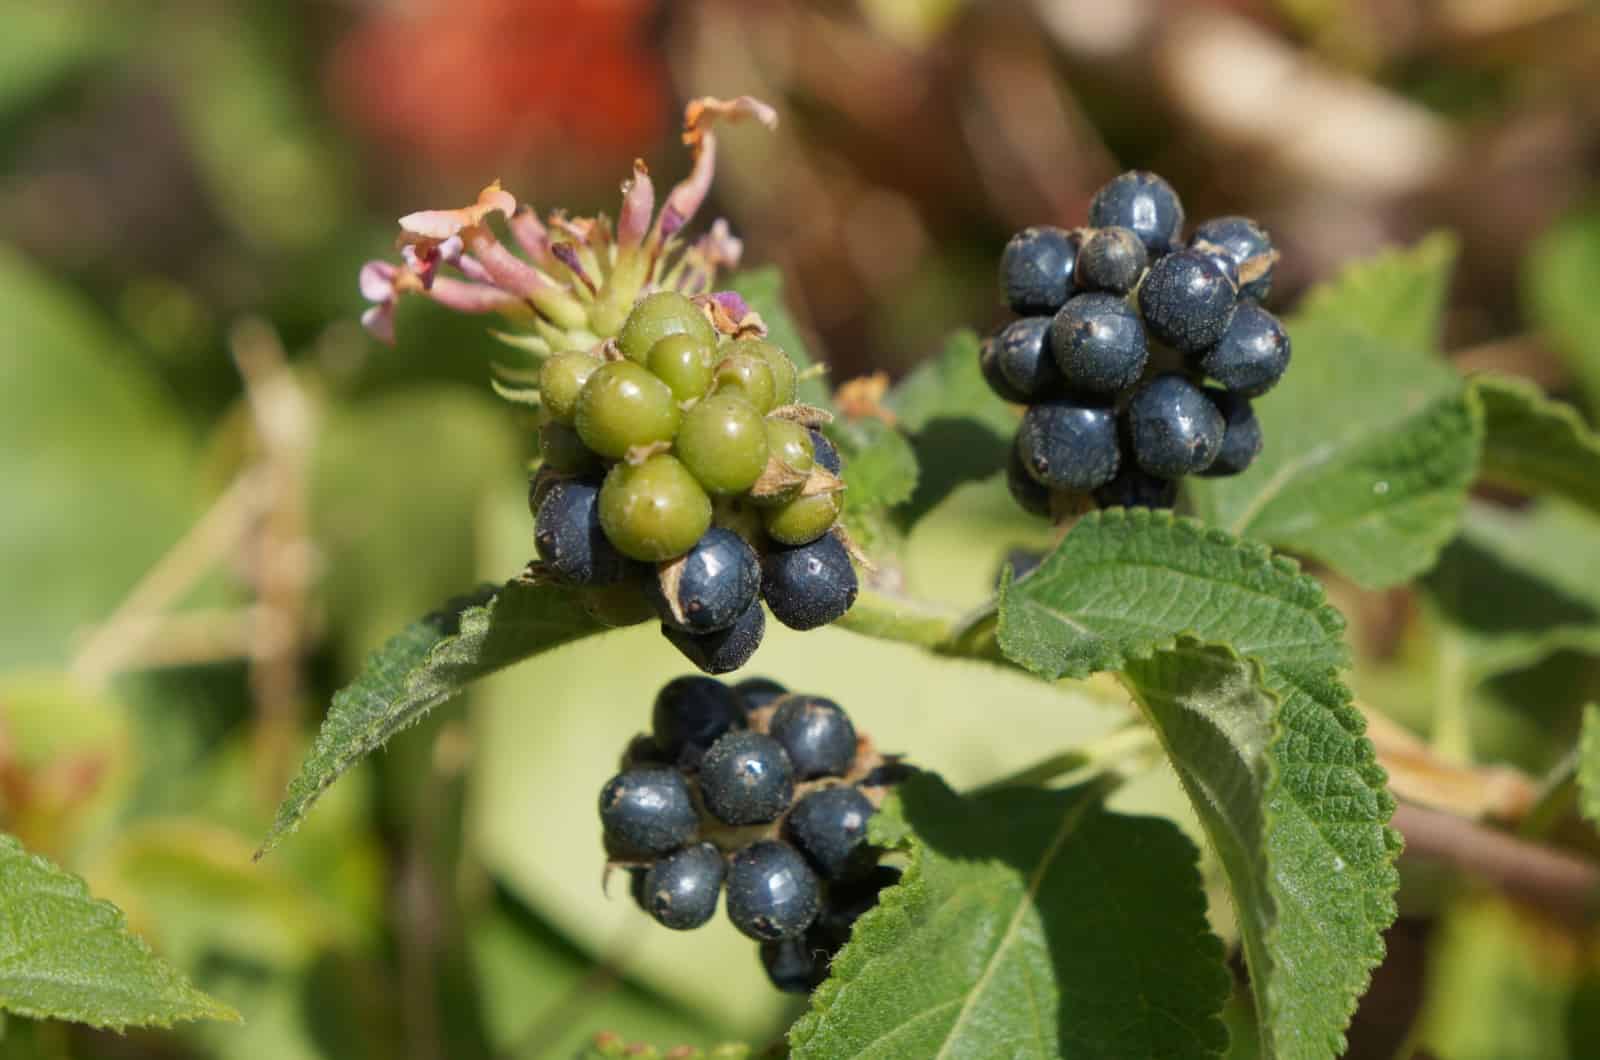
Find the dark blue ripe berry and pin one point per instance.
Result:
(1022, 355)
(1245, 244)
(1069, 445)
(1112, 259)
(847, 901)
(1036, 270)
(795, 966)
(1176, 429)
(817, 734)
(1143, 202)
(772, 892)
(1029, 495)
(809, 585)
(1186, 301)
(1252, 354)
(681, 890)
(647, 811)
(746, 778)
(1241, 436)
(690, 714)
(989, 365)
(708, 587)
(757, 692)
(725, 650)
(1132, 488)
(824, 453)
(829, 827)
(569, 538)
(1099, 344)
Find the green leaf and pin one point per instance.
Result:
(880, 472)
(1372, 441)
(612, 1046)
(1561, 275)
(64, 955)
(763, 289)
(1589, 766)
(1536, 444)
(1030, 923)
(1271, 751)
(422, 667)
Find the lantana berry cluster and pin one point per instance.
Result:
(764, 794)
(1137, 353)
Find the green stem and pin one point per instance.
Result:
(1134, 743)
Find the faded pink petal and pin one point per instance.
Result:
(638, 203)
(507, 271)
(699, 116)
(530, 235)
(567, 254)
(377, 280)
(733, 302)
(720, 248)
(473, 270)
(471, 297)
(442, 224)
(379, 322)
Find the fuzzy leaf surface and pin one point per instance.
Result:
(423, 666)
(1371, 439)
(1263, 733)
(763, 289)
(1029, 924)
(66, 955)
(1536, 444)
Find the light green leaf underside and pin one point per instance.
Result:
(65, 955)
(423, 666)
(1561, 276)
(1589, 766)
(1030, 924)
(1536, 444)
(763, 289)
(1279, 767)
(1371, 441)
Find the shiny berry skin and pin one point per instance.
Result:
(726, 650)
(772, 892)
(746, 778)
(723, 443)
(829, 827)
(1252, 354)
(684, 364)
(1022, 355)
(623, 405)
(1144, 202)
(1176, 430)
(692, 713)
(654, 511)
(1036, 270)
(748, 374)
(681, 890)
(1187, 301)
(571, 540)
(657, 316)
(989, 365)
(788, 449)
(1069, 444)
(816, 733)
(757, 692)
(809, 586)
(785, 381)
(1029, 495)
(824, 453)
(1247, 245)
(1098, 344)
(647, 811)
(1241, 435)
(710, 586)
(1112, 259)
(802, 520)
(561, 449)
(795, 966)
(561, 381)
(1133, 488)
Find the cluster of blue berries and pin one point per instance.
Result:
(760, 792)
(1137, 353)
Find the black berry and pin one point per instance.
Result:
(816, 733)
(1036, 270)
(809, 585)
(989, 365)
(1022, 355)
(746, 778)
(772, 892)
(1245, 244)
(1025, 490)
(569, 537)
(681, 890)
(1098, 344)
(1134, 488)
(647, 811)
(1069, 445)
(1252, 354)
(1112, 259)
(829, 827)
(725, 650)
(847, 901)
(1241, 436)
(1186, 301)
(710, 586)
(795, 966)
(690, 714)
(757, 692)
(1176, 429)
(824, 453)
(1143, 202)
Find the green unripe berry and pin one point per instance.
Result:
(563, 450)
(623, 405)
(561, 381)
(682, 362)
(654, 511)
(723, 443)
(785, 382)
(803, 519)
(748, 374)
(620, 604)
(789, 456)
(742, 517)
(657, 316)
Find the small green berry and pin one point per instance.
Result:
(654, 511)
(803, 519)
(748, 374)
(682, 362)
(621, 604)
(723, 443)
(742, 517)
(563, 450)
(790, 457)
(623, 405)
(785, 382)
(657, 316)
(561, 381)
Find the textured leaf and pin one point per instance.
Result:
(1561, 275)
(1589, 766)
(763, 289)
(1536, 444)
(1274, 759)
(1029, 924)
(880, 472)
(65, 955)
(422, 667)
(1371, 441)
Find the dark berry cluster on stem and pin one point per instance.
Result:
(1136, 351)
(764, 795)
(682, 481)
